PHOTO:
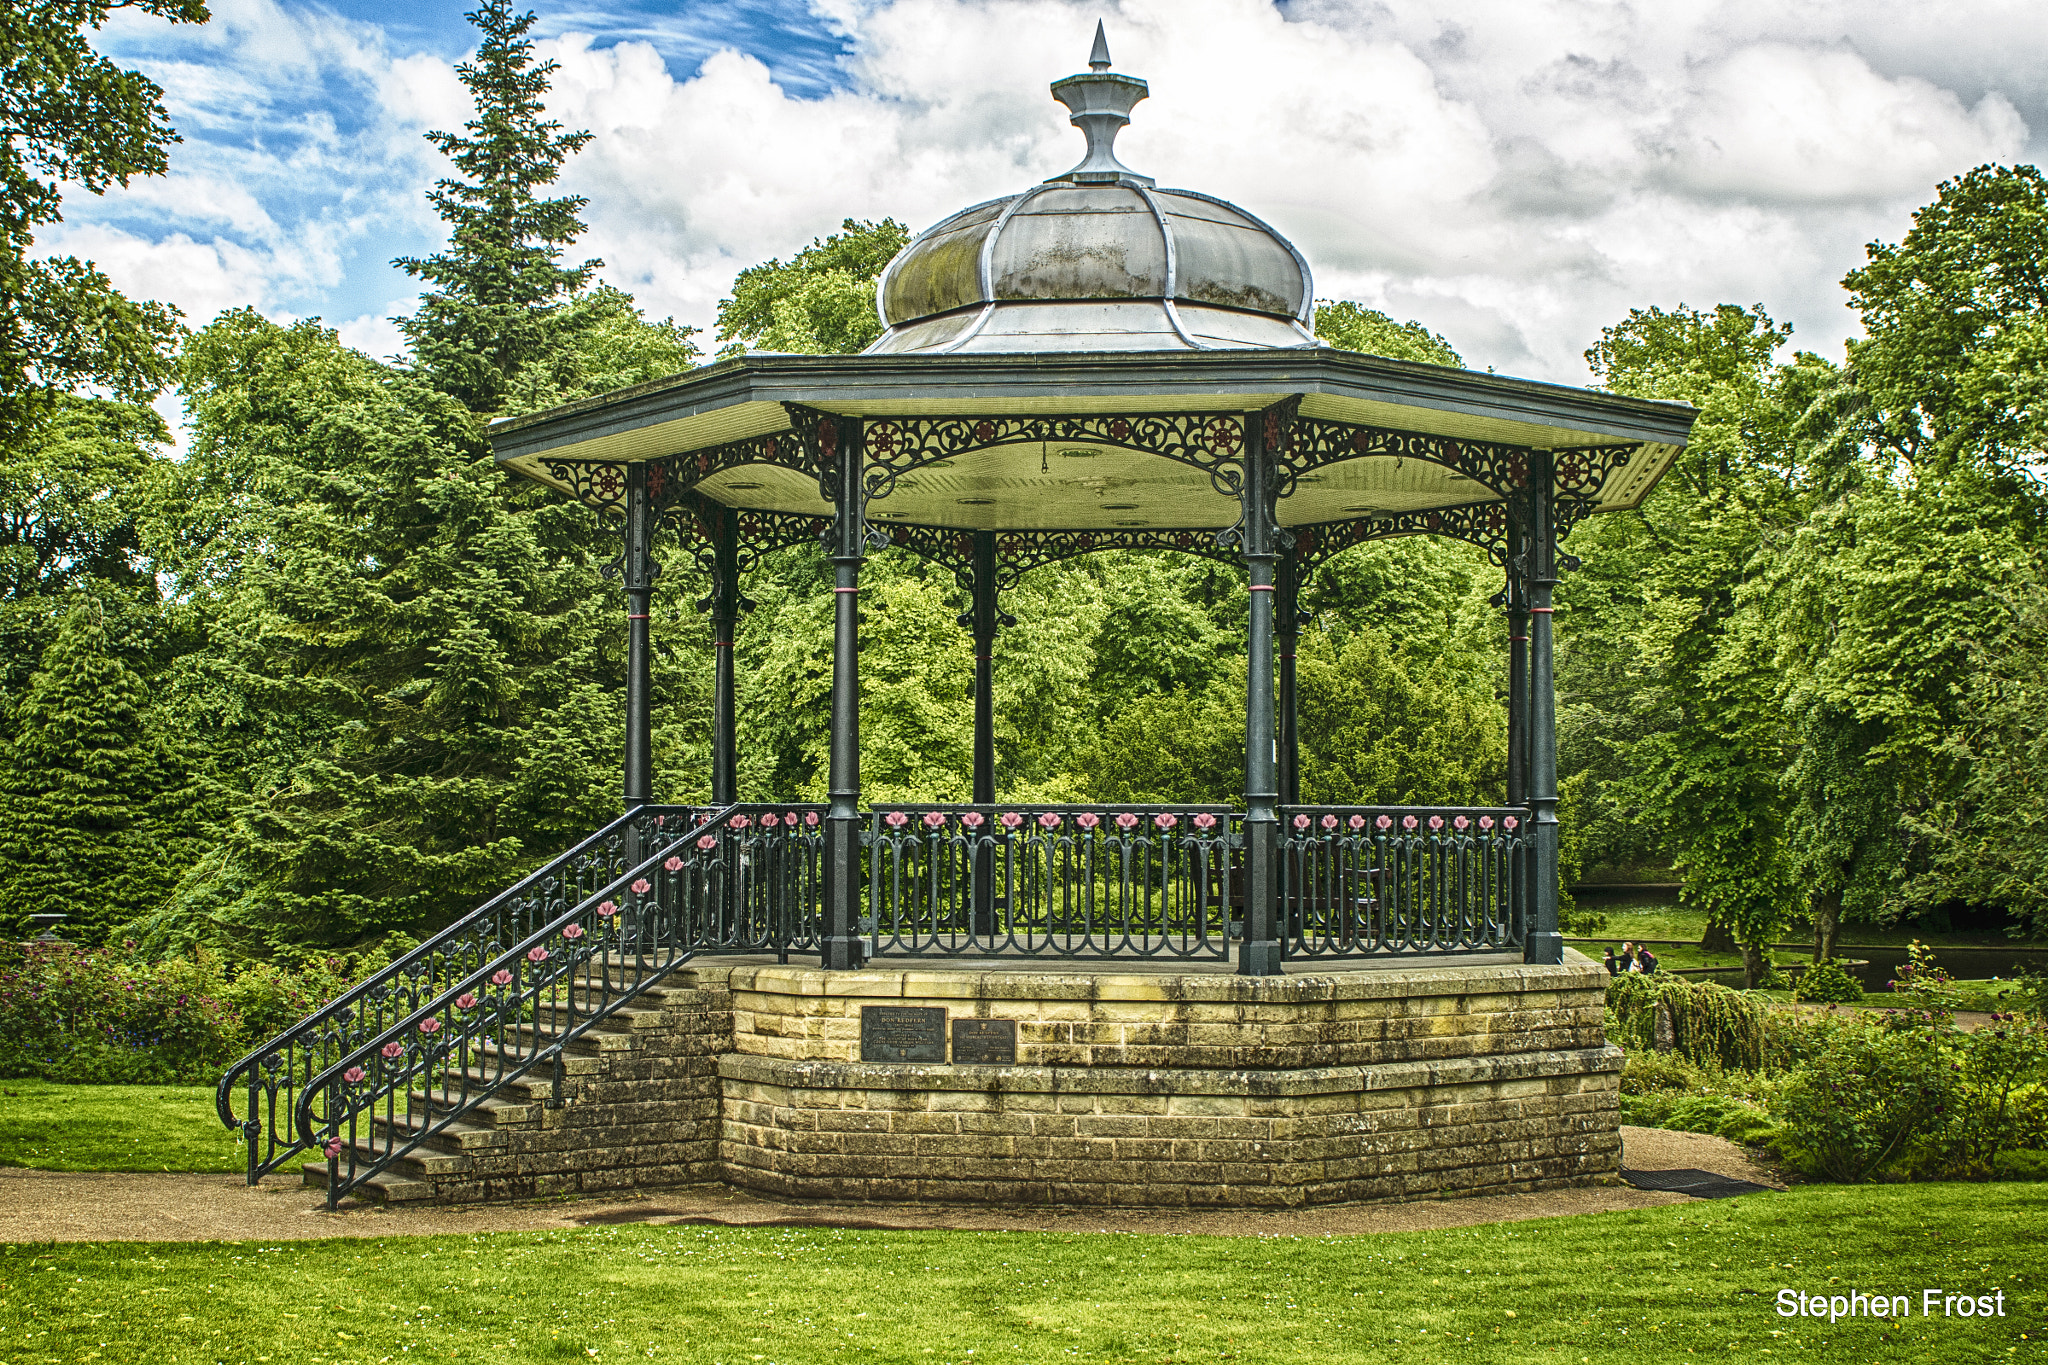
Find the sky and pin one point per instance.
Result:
(1515, 176)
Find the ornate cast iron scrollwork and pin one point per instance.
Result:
(1484, 524)
(1212, 442)
(594, 483)
(1308, 443)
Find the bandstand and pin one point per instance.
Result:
(1179, 1004)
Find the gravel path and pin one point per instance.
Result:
(50, 1206)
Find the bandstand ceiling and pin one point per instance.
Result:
(1077, 484)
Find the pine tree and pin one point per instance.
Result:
(85, 782)
(500, 282)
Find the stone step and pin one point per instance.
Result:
(496, 1109)
(456, 1137)
(386, 1187)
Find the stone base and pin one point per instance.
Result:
(1130, 1089)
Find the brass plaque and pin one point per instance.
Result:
(903, 1033)
(987, 1042)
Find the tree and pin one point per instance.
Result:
(68, 115)
(1382, 728)
(821, 302)
(90, 824)
(68, 497)
(1352, 326)
(500, 282)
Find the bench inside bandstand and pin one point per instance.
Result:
(1267, 1003)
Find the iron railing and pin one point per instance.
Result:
(272, 1080)
(1358, 881)
(1051, 881)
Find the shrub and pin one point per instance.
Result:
(1721, 1116)
(1860, 1106)
(1710, 1025)
(2025, 1165)
(1651, 1073)
(1999, 1105)
(1828, 983)
(1581, 924)
(95, 1016)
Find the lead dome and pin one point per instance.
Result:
(1096, 259)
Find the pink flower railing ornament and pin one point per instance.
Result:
(896, 819)
(572, 932)
(707, 842)
(1011, 819)
(392, 1050)
(354, 1075)
(1205, 821)
(1166, 819)
(933, 819)
(1049, 820)
(1357, 822)
(1329, 822)
(1408, 822)
(769, 821)
(1461, 824)
(501, 977)
(641, 886)
(973, 819)
(810, 817)
(1126, 821)
(1436, 822)
(536, 954)
(739, 822)
(1088, 819)
(332, 1149)
(1510, 823)
(1486, 822)
(606, 909)
(466, 1000)
(1384, 822)
(430, 1026)
(1301, 822)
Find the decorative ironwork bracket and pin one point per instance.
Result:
(1209, 441)
(1309, 443)
(1484, 524)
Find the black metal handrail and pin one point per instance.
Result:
(525, 1005)
(1047, 880)
(273, 1076)
(1360, 881)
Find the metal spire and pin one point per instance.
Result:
(1100, 103)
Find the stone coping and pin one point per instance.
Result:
(924, 982)
(1082, 1080)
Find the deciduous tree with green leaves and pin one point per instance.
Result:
(819, 302)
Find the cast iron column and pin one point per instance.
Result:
(840, 447)
(1259, 953)
(986, 616)
(726, 606)
(1545, 944)
(637, 571)
(1517, 597)
(1287, 609)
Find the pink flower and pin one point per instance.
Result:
(572, 932)
(501, 977)
(641, 886)
(393, 1049)
(1436, 822)
(1088, 820)
(1301, 822)
(537, 954)
(430, 1026)
(1126, 820)
(1205, 821)
(354, 1075)
(810, 817)
(1461, 823)
(708, 842)
(1510, 822)
(1011, 819)
(1384, 821)
(1486, 822)
(896, 819)
(1407, 822)
(973, 819)
(660, 820)
(1356, 822)
(1166, 819)
(1049, 820)
(932, 819)
(606, 909)
(1329, 822)
(739, 822)
(672, 863)
(466, 1000)
(333, 1148)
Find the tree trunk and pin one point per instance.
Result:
(1719, 938)
(1827, 924)
(1755, 964)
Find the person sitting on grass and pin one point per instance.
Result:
(1627, 962)
(1613, 967)
(1646, 961)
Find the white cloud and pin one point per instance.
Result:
(1514, 176)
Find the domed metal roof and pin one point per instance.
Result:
(1096, 259)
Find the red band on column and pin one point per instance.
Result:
(1541, 611)
(631, 617)
(1262, 587)
(846, 589)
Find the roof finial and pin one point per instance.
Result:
(1099, 104)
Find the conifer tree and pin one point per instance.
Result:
(500, 283)
(84, 784)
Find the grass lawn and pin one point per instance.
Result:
(51, 1127)
(1671, 1283)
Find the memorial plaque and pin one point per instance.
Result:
(903, 1033)
(987, 1042)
